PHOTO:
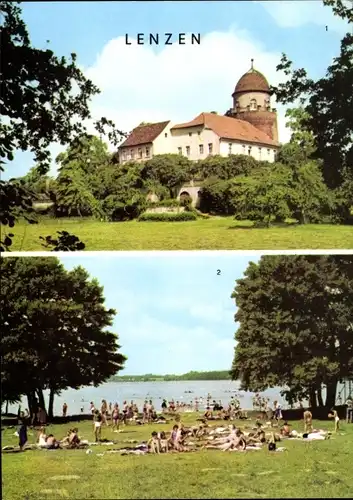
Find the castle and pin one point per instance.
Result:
(249, 127)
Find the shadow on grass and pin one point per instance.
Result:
(260, 225)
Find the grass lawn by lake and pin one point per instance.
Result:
(218, 233)
(321, 469)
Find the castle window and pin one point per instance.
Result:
(268, 152)
(237, 105)
(259, 153)
(187, 150)
(243, 149)
(253, 105)
(140, 153)
(230, 148)
(190, 134)
(210, 148)
(165, 135)
(199, 133)
(147, 152)
(201, 149)
(249, 150)
(180, 151)
(132, 154)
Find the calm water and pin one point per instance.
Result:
(139, 391)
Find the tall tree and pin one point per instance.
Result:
(55, 332)
(170, 170)
(327, 103)
(295, 317)
(43, 99)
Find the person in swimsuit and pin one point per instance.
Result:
(115, 417)
(97, 422)
(308, 421)
(333, 414)
(64, 410)
(22, 428)
(42, 438)
(52, 443)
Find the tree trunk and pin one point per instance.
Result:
(302, 217)
(319, 397)
(51, 404)
(312, 398)
(31, 400)
(331, 389)
(41, 401)
(7, 408)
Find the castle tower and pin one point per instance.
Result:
(252, 102)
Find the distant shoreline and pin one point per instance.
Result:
(192, 376)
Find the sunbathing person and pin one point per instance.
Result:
(236, 442)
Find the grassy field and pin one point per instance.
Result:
(321, 469)
(218, 233)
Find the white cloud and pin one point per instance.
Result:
(178, 82)
(289, 14)
(175, 349)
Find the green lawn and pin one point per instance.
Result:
(217, 233)
(321, 469)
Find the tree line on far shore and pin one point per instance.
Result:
(189, 376)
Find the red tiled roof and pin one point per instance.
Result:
(252, 81)
(144, 134)
(229, 128)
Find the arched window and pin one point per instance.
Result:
(253, 105)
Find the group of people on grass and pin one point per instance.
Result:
(114, 416)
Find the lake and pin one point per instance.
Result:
(139, 391)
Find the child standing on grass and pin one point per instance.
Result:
(97, 422)
(333, 414)
(22, 428)
(115, 417)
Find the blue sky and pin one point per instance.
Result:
(174, 312)
(142, 83)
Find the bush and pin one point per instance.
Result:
(167, 217)
(165, 203)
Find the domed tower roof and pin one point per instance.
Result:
(252, 81)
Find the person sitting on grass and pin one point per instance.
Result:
(52, 443)
(42, 438)
(153, 443)
(175, 439)
(234, 442)
(97, 422)
(285, 430)
(208, 415)
(333, 414)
